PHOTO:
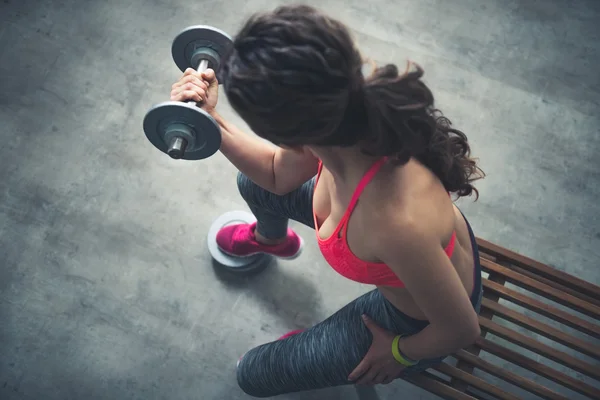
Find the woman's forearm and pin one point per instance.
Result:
(251, 155)
(433, 342)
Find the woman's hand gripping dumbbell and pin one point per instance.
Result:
(201, 87)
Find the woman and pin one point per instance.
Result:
(370, 164)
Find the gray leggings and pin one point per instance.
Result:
(325, 354)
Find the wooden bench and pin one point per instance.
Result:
(547, 292)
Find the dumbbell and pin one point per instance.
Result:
(184, 130)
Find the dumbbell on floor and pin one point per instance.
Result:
(184, 130)
(234, 264)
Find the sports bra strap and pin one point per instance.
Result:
(363, 183)
(357, 192)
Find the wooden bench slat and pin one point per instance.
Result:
(539, 268)
(475, 382)
(508, 376)
(456, 383)
(538, 368)
(542, 289)
(541, 348)
(431, 383)
(503, 266)
(555, 285)
(542, 308)
(542, 329)
(463, 366)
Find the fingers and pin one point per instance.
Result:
(194, 85)
(363, 374)
(370, 373)
(360, 370)
(368, 378)
(188, 93)
(379, 378)
(209, 75)
(189, 88)
(370, 324)
(190, 71)
(374, 378)
(195, 79)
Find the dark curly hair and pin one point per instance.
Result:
(295, 76)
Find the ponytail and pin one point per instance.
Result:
(402, 123)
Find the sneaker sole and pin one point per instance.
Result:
(293, 257)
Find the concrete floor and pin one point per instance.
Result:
(107, 290)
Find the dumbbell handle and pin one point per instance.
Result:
(178, 145)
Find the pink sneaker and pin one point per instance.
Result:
(239, 241)
(292, 333)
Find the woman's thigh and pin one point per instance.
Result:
(324, 355)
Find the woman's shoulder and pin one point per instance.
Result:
(410, 199)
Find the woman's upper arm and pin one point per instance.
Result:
(292, 168)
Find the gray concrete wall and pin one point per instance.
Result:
(107, 290)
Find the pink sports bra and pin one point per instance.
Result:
(336, 252)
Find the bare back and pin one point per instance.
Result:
(411, 189)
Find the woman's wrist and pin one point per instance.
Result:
(213, 113)
(399, 354)
(226, 130)
(402, 350)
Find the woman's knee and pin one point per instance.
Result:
(245, 382)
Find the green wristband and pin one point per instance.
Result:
(401, 358)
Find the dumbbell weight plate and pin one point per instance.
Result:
(188, 41)
(234, 264)
(185, 121)
(206, 134)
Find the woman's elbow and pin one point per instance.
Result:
(465, 334)
(470, 334)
